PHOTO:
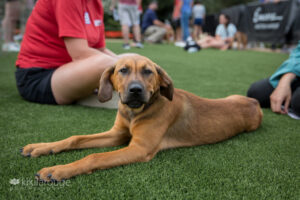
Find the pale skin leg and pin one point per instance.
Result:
(205, 40)
(125, 33)
(211, 42)
(137, 33)
(12, 13)
(78, 79)
(178, 34)
(196, 32)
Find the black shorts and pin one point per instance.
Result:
(34, 84)
(176, 23)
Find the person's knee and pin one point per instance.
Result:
(295, 101)
(253, 91)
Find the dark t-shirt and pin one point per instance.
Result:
(148, 19)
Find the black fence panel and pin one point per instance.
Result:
(272, 22)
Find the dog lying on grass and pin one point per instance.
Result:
(152, 116)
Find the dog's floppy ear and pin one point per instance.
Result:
(106, 86)
(166, 84)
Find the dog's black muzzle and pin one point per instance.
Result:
(135, 95)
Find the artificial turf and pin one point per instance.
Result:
(264, 164)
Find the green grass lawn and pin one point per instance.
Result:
(264, 164)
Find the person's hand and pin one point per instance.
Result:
(282, 93)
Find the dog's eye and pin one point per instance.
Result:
(147, 71)
(124, 70)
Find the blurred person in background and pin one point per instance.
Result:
(186, 11)
(153, 29)
(282, 90)
(198, 16)
(129, 15)
(9, 23)
(63, 52)
(176, 23)
(224, 35)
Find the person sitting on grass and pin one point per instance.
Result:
(153, 29)
(63, 52)
(282, 89)
(224, 35)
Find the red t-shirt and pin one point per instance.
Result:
(50, 21)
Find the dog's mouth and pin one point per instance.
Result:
(134, 104)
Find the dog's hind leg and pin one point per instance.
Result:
(113, 137)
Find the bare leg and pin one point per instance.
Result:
(205, 41)
(218, 44)
(195, 32)
(178, 34)
(12, 13)
(125, 32)
(78, 79)
(137, 33)
(199, 32)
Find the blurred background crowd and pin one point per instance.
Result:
(236, 24)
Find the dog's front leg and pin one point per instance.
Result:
(114, 137)
(142, 148)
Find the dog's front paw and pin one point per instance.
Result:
(55, 174)
(35, 150)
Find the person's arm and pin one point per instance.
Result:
(78, 49)
(282, 93)
(108, 52)
(159, 23)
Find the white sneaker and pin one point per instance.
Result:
(126, 46)
(180, 44)
(139, 45)
(11, 47)
(18, 37)
(92, 101)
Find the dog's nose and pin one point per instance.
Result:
(135, 88)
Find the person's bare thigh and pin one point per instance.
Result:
(78, 79)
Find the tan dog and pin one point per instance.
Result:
(241, 39)
(152, 116)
